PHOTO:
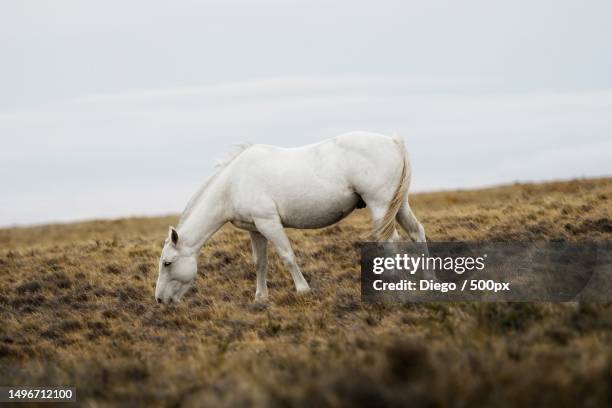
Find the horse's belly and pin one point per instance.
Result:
(317, 213)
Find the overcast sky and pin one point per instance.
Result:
(119, 108)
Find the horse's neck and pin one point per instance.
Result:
(206, 216)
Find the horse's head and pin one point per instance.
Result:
(178, 267)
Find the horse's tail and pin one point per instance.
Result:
(386, 226)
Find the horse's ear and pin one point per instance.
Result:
(173, 235)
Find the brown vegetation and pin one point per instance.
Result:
(77, 308)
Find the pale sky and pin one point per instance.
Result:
(120, 108)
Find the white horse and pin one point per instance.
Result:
(264, 189)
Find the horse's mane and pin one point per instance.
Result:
(229, 157)
(219, 166)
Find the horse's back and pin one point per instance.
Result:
(373, 147)
(340, 159)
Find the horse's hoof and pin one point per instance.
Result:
(304, 291)
(261, 298)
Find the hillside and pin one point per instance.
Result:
(77, 308)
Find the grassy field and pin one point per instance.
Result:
(77, 308)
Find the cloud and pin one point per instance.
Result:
(154, 141)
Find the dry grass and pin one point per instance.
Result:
(77, 308)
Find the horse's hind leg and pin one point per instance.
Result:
(260, 256)
(409, 222)
(415, 230)
(272, 230)
(378, 210)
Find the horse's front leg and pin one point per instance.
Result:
(260, 257)
(273, 231)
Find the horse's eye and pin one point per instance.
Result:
(166, 263)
